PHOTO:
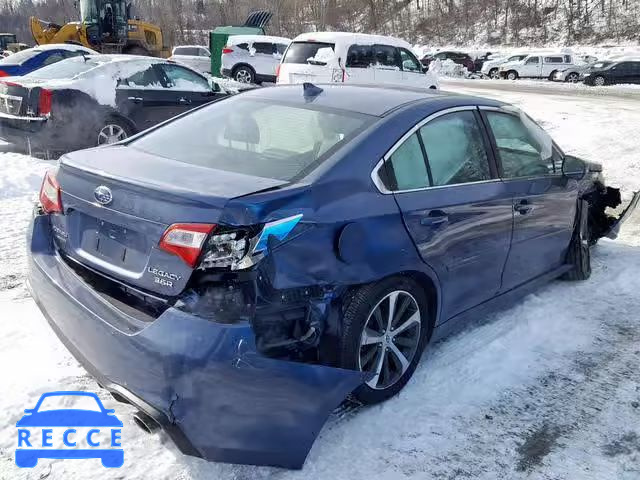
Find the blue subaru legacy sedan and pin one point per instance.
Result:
(238, 271)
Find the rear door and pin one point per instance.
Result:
(263, 59)
(455, 208)
(388, 67)
(544, 201)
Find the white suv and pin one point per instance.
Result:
(252, 58)
(194, 56)
(537, 65)
(341, 57)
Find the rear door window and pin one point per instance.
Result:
(386, 56)
(406, 168)
(53, 57)
(552, 59)
(264, 48)
(186, 51)
(281, 48)
(455, 149)
(307, 52)
(359, 56)
(145, 79)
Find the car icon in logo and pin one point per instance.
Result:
(103, 195)
(76, 421)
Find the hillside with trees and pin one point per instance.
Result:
(451, 22)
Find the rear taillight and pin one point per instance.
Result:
(278, 71)
(227, 50)
(3, 73)
(50, 197)
(44, 104)
(186, 240)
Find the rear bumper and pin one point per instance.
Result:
(31, 135)
(203, 382)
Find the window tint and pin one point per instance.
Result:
(407, 166)
(386, 56)
(409, 61)
(359, 56)
(533, 60)
(243, 46)
(301, 52)
(184, 79)
(53, 58)
(455, 149)
(253, 137)
(281, 48)
(552, 59)
(524, 150)
(186, 51)
(262, 47)
(567, 59)
(145, 79)
(203, 52)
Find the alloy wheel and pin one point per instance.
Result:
(599, 81)
(243, 76)
(572, 77)
(390, 338)
(111, 134)
(512, 76)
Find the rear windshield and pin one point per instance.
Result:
(69, 68)
(308, 52)
(255, 137)
(186, 51)
(20, 57)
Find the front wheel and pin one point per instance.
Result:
(599, 81)
(512, 75)
(573, 77)
(385, 328)
(494, 73)
(579, 253)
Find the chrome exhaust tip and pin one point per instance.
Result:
(145, 422)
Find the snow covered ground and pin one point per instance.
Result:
(549, 389)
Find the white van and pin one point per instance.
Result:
(341, 57)
(537, 65)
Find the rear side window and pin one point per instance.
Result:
(524, 150)
(567, 59)
(281, 48)
(53, 58)
(408, 169)
(243, 46)
(455, 149)
(148, 78)
(386, 56)
(306, 52)
(552, 59)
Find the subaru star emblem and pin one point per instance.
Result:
(103, 195)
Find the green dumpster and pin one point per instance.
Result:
(218, 39)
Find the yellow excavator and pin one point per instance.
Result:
(106, 26)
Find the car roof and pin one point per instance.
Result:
(355, 38)
(358, 98)
(190, 46)
(236, 39)
(63, 46)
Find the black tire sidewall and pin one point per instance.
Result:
(112, 120)
(248, 69)
(356, 313)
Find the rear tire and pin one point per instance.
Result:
(113, 130)
(599, 81)
(512, 75)
(493, 73)
(392, 345)
(573, 77)
(579, 253)
(244, 74)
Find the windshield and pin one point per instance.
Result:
(20, 57)
(89, 12)
(69, 68)
(516, 58)
(313, 53)
(69, 402)
(601, 64)
(255, 137)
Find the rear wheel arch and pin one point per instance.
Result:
(118, 119)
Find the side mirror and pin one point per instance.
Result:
(573, 167)
(215, 87)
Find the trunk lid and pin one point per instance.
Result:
(147, 194)
(17, 98)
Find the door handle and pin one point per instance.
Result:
(523, 207)
(135, 99)
(435, 217)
